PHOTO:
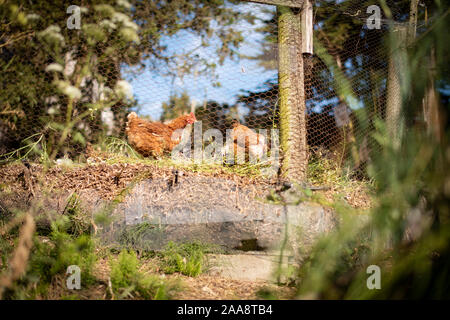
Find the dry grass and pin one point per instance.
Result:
(19, 259)
(203, 287)
(107, 180)
(342, 186)
(206, 287)
(106, 177)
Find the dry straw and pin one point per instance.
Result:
(19, 259)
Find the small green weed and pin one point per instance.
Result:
(50, 257)
(128, 282)
(143, 236)
(80, 221)
(187, 259)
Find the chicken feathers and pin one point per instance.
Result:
(151, 138)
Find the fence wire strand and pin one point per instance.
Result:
(63, 90)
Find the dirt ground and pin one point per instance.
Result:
(216, 288)
(19, 184)
(202, 287)
(107, 180)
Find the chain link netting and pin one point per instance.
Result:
(64, 90)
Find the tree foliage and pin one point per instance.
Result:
(57, 81)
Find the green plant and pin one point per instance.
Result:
(50, 257)
(267, 294)
(143, 236)
(128, 282)
(407, 231)
(187, 259)
(79, 221)
(29, 147)
(63, 250)
(323, 171)
(119, 147)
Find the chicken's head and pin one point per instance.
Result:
(132, 115)
(191, 118)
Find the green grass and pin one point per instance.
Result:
(49, 258)
(80, 221)
(143, 236)
(119, 147)
(321, 170)
(185, 258)
(129, 282)
(246, 170)
(327, 172)
(188, 259)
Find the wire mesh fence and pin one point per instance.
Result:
(92, 97)
(71, 75)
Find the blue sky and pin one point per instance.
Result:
(151, 87)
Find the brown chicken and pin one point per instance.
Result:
(155, 138)
(247, 142)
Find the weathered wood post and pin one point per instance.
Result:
(291, 94)
(431, 112)
(430, 103)
(294, 17)
(401, 36)
(307, 27)
(395, 83)
(412, 27)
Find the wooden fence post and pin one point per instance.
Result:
(291, 95)
(294, 18)
(395, 83)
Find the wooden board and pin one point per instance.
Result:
(307, 27)
(286, 3)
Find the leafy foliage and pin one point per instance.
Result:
(58, 81)
(187, 259)
(406, 234)
(176, 106)
(128, 281)
(50, 258)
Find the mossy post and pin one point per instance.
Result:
(291, 94)
(291, 15)
(395, 82)
(401, 36)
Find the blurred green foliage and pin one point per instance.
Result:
(49, 259)
(407, 231)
